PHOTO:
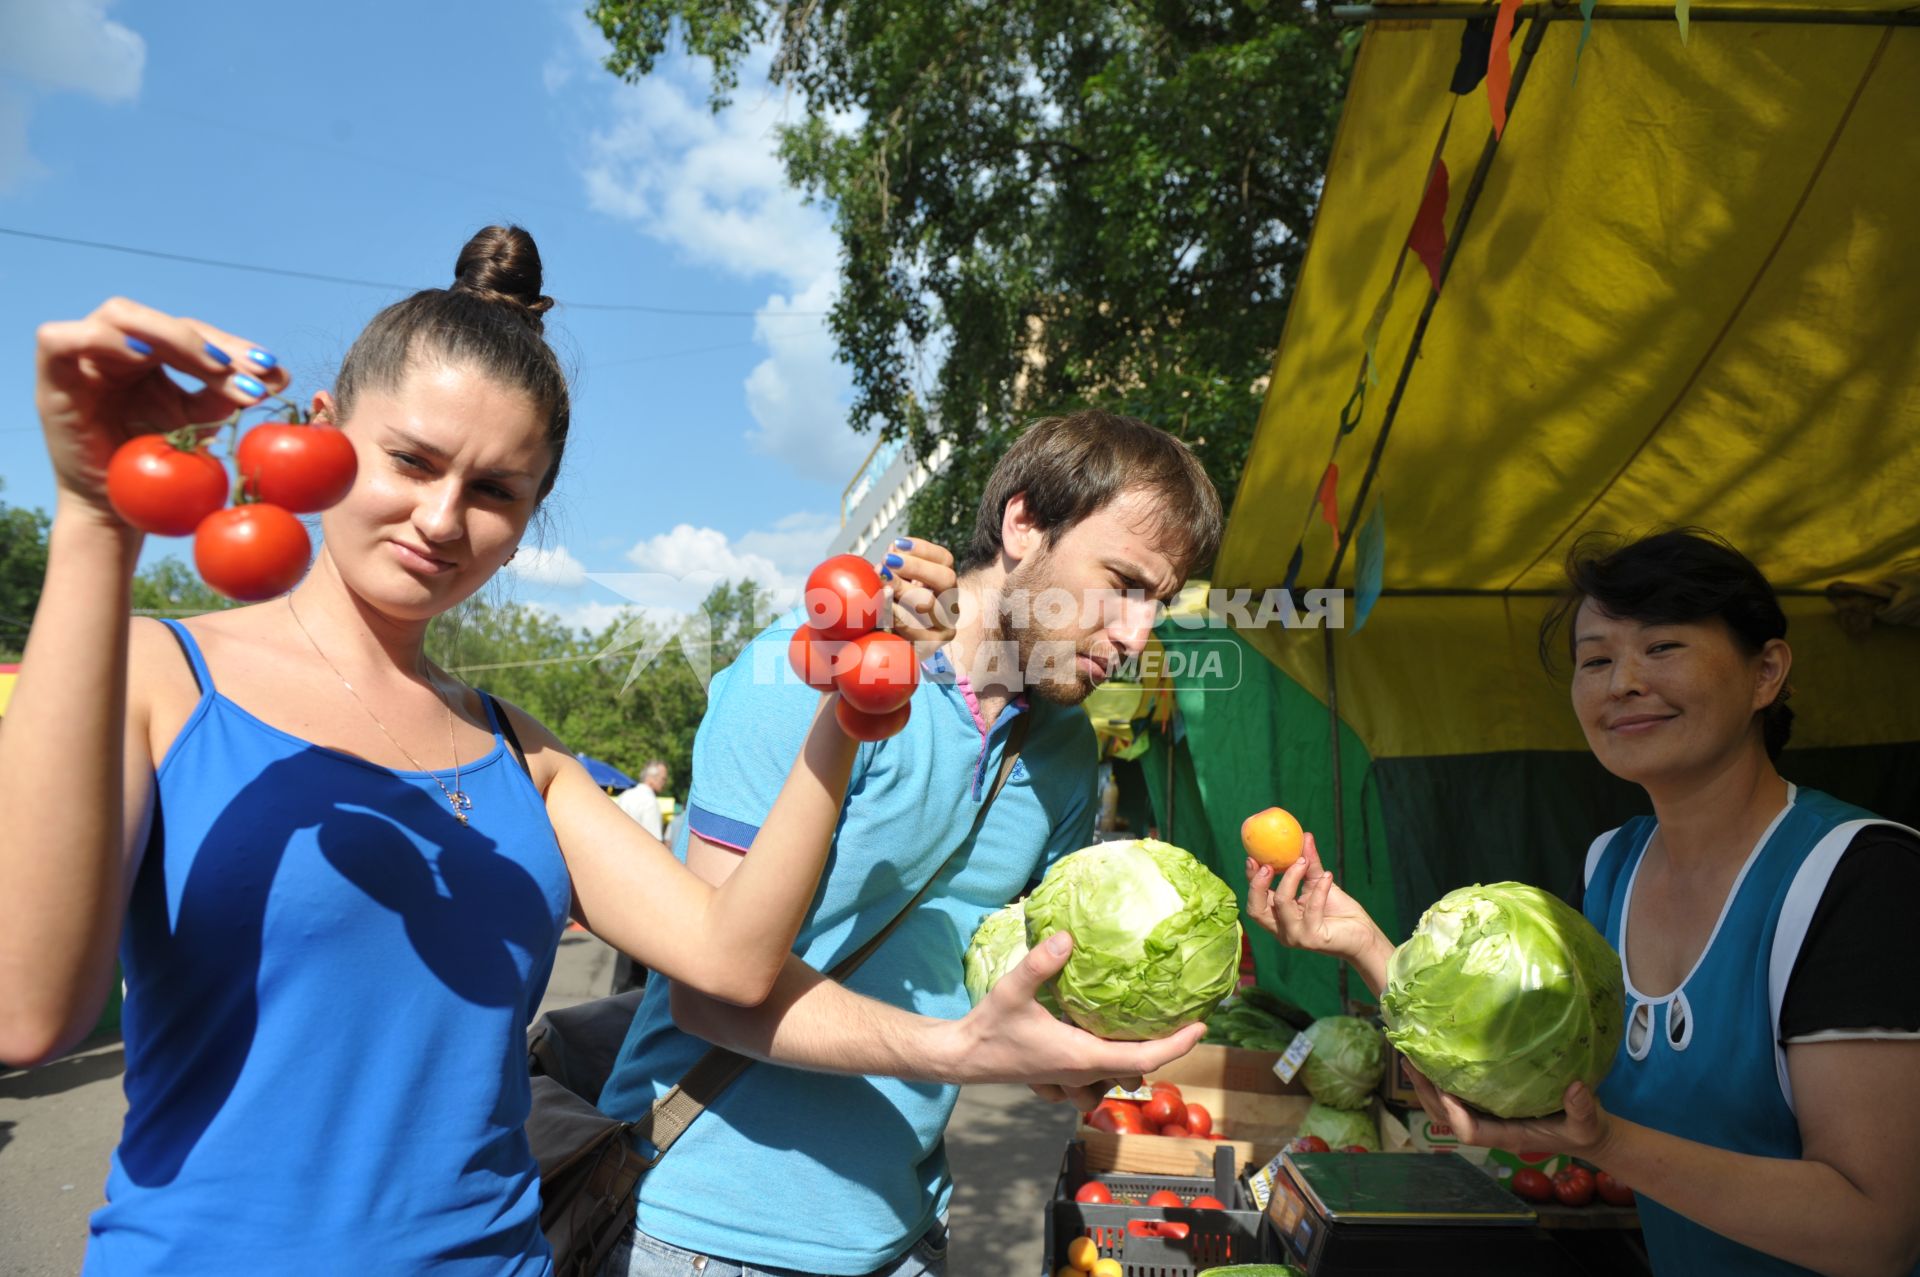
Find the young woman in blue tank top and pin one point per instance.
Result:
(1763, 1103)
(334, 875)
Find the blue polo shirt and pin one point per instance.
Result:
(842, 1174)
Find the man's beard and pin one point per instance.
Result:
(1051, 679)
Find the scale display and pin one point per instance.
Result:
(1436, 1188)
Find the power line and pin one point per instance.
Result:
(385, 285)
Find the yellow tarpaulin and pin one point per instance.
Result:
(1687, 292)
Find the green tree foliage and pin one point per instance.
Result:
(169, 587)
(1041, 204)
(585, 687)
(23, 563)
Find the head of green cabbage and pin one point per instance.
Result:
(1504, 995)
(1340, 1128)
(998, 945)
(1156, 937)
(1346, 1063)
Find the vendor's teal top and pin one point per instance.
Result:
(329, 980)
(824, 1174)
(1705, 1061)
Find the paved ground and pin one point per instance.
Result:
(58, 1123)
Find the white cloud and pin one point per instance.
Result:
(540, 565)
(72, 45)
(712, 186)
(60, 46)
(794, 544)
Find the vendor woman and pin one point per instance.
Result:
(1765, 1100)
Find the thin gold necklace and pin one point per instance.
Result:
(456, 797)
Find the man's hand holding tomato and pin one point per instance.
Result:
(925, 600)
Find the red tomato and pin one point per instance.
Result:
(251, 552)
(304, 469)
(1310, 1144)
(1093, 1191)
(1612, 1191)
(814, 659)
(1533, 1185)
(1199, 1121)
(1355, 1148)
(1534, 1157)
(1170, 1089)
(869, 727)
(1215, 1135)
(843, 598)
(1165, 1197)
(1162, 1109)
(1206, 1201)
(1574, 1186)
(1176, 1130)
(1117, 1116)
(877, 673)
(158, 487)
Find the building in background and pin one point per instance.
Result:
(873, 509)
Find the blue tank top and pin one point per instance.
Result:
(1705, 1062)
(329, 980)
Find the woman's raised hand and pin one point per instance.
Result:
(923, 592)
(1305, 909)
(100, 381)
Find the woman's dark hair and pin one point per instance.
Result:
(488, 320)
(1672, 578)
(1070, 467)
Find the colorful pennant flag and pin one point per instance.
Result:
(1586, 29)
(1370, 566)
(1293, 569)
(1476, 39)
(1500, 65)
(1428, 239)
(1329, 497)
(1680, 8)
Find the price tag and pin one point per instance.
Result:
(1260, 1184)
(1296, 1055)
(1142, 1092)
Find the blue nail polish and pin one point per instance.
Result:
(218, 353)
(262, 359)
(248, 386)
(886, 574)
(903, 544)
(139, 347)
(895, 561)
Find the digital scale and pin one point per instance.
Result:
(1430, 1213)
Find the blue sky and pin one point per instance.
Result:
(369, 140)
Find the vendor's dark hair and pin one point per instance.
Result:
(1070, 467)
(1670, 578)
(489, 320)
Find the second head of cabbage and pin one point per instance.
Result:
(1156, 937)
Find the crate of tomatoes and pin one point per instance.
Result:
(1190, 1109)
(1116, 1224)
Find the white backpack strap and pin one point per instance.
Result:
(1597, 849)
(1796, 916)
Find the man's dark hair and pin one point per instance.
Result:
(1069, 467)
(1673, 578)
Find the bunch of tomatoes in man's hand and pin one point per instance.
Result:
(842, 648)
(173, 484)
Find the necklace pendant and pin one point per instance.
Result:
(461, 805)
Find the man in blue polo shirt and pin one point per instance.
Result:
(829, 1159)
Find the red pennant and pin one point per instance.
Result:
(1428, 239)
(1329, 497)
(1500, 65)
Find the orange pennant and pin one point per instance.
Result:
(1330, 498)
(1428, 239)
(1500, 64)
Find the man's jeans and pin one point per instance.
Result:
(638, 1255)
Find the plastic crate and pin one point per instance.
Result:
(1156, 1241)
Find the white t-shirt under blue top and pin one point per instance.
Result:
(825, 1173)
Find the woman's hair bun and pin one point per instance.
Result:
(500, 264)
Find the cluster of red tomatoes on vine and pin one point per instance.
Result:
(842, 648)
(247, 544)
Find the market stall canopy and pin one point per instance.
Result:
(605, 774)
(1672, 283)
